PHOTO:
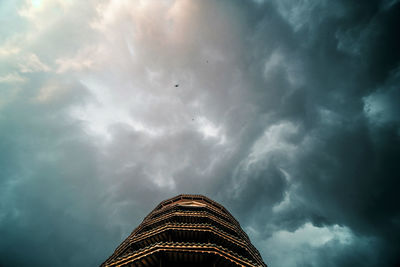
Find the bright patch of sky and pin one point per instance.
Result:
(302, 244)
(210, 130)
(36, 3)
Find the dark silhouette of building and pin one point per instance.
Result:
(187, 230)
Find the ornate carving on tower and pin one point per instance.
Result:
(187, 230)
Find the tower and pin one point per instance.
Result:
(187, 230)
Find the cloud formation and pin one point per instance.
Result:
(286, 112)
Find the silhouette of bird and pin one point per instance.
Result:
(176, 85)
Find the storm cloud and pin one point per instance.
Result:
(286, 112)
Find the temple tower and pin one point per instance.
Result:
(187, 230)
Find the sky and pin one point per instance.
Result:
(287, 112)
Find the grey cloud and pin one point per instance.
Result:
(285, 112)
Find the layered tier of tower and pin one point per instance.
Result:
(187, 230)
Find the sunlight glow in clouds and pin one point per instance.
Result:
(104, 112)
(209, 130)
(36, 3)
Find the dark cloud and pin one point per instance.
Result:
(286, 112)
(343, 169)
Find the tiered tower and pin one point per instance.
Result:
(187, 230)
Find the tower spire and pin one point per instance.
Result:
(187, 230)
